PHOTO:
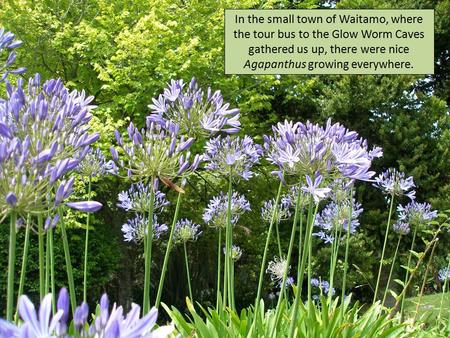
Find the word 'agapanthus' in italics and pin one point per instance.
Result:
(135, 229)
(416, 213)
(156, 151)
(185, 231)
(215, 214)
(395, 183)
(137, 199)
(332, 151)
(197, 113)
(106, 323)
(233, 155)
(335, 218)
(8, 56)
(95, 164)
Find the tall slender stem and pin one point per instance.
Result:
(148, 251)
(422, 289)
(26, 246)
(168, 250)
(52, 268)
(347, 244)
(443, 291)
(384, 249)
(334, 257)
(277, 231)
(266, 249)
(11, 266)
(307, 242)
(47, 262)
(41, 257)
(391, 270)
(229, 241)
(188, 276)
(219, 255)
(407, 272)
(73, 300)
(288, 260)
(86, 244)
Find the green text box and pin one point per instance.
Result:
(329, 41)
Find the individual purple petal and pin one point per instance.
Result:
(86, 206)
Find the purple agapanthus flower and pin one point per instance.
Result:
(137, 199)
(401, 228)
(215, 213)
(185, 231)
(106, 323)
(313, 188)
(395, 183)
(95, 164)
(86, 206)
(283, 211)
(236, 252)
(233, 155)
(135, 229)
(157, 151)
(304, 149)
(197, 113)
(444, 274)
(416, 213)
(334, 218)
(8, 56)
(323, 286)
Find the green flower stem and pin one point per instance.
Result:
(188, 276)
(422, 289)
(41, 257)
(168, 250)
(266, 249)
(384, 249)
(277, 231)
(52, 268)
(347, 244)
(443, 293)
(11, 266)
(23, 270)
(334, 257)
(392, 269)
(288, 260)
(233, 305)
(148, 252)
(219, 255)
(86, 244)
(407, 272)
(228, 244)
(300, 273)
(73, 300)
(47, 262)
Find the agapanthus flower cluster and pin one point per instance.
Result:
(137, 198)
(277, 268)
(401, 228)
(444, 274)
(157, 151)
(197, 113)
(106, 323)
(236, 252)
(416, 213)
(44, 134)
(395, 183)
(232, 155)
(135, 229)
(95, 164)
(185, 231)
(8, 56)
(215, 214)
(323, 286)
(336, 217)
(283, 211)
(332, 151)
